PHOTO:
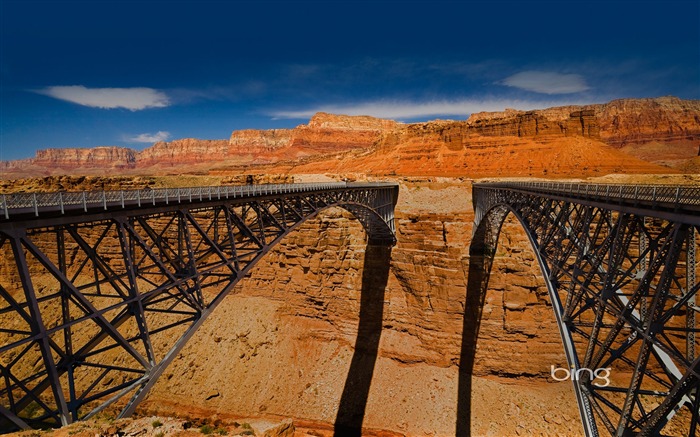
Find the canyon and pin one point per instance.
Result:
(283, 343)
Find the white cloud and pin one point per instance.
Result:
(133, 99)
(150, 138)
(404, 110)
(547, 82)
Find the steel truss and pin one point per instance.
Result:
(93, 297)
(621, 274)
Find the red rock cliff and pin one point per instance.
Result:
(184, 151)
(642, 120)
(617, 123)
(110, 157)
(565, 121)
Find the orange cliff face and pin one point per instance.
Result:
(114, 157)
(444, 148)
(663, 130)
(326, 134)
(182, 152)
(51, 161)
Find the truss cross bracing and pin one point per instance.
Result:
(620, 266)
(95, 284)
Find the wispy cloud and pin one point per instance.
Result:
(406, 110)
(134, 99)
(149, 137)
(547, 82)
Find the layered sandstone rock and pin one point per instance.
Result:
(617, 123)
(183, 152)
(627, 121)
(95, 157)
(664, 130)
(329, 133)
(254, 144)
(567, 121)
(451, 149)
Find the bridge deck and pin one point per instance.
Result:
(679, 203)
(22, 206)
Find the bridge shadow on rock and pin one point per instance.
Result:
(480, 262)
(353, 402)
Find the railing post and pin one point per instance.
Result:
(122, 196)
(60, 201)
(36, 207)
(4, 204)
(104, 199)
(84, 202)
(138, 197)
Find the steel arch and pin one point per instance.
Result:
(621, 275)
(94, 290)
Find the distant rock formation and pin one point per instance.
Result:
(576, 122)
(637, 121)
(104, 156)
(663, 130)
(617, 123)
(183, 152)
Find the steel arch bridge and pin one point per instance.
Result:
(620, 267)
(101, 290)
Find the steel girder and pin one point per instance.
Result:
(622, 281)
(91, 301)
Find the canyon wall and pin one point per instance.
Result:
(96, 157)
(183, 152)
(567, 121)
(667, 119)
(664, 130)
(617, 123)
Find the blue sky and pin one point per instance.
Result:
(128, 73)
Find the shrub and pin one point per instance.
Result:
(156, 423)
(206, 429)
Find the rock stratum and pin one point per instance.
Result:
(594, 139)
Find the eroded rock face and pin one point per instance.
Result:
(96, 157)
(643, 120)
(619, 122)
(183, 152)
(579, 122)
(258, 142)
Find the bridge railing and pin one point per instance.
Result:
(667, 195)
(10, 203)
